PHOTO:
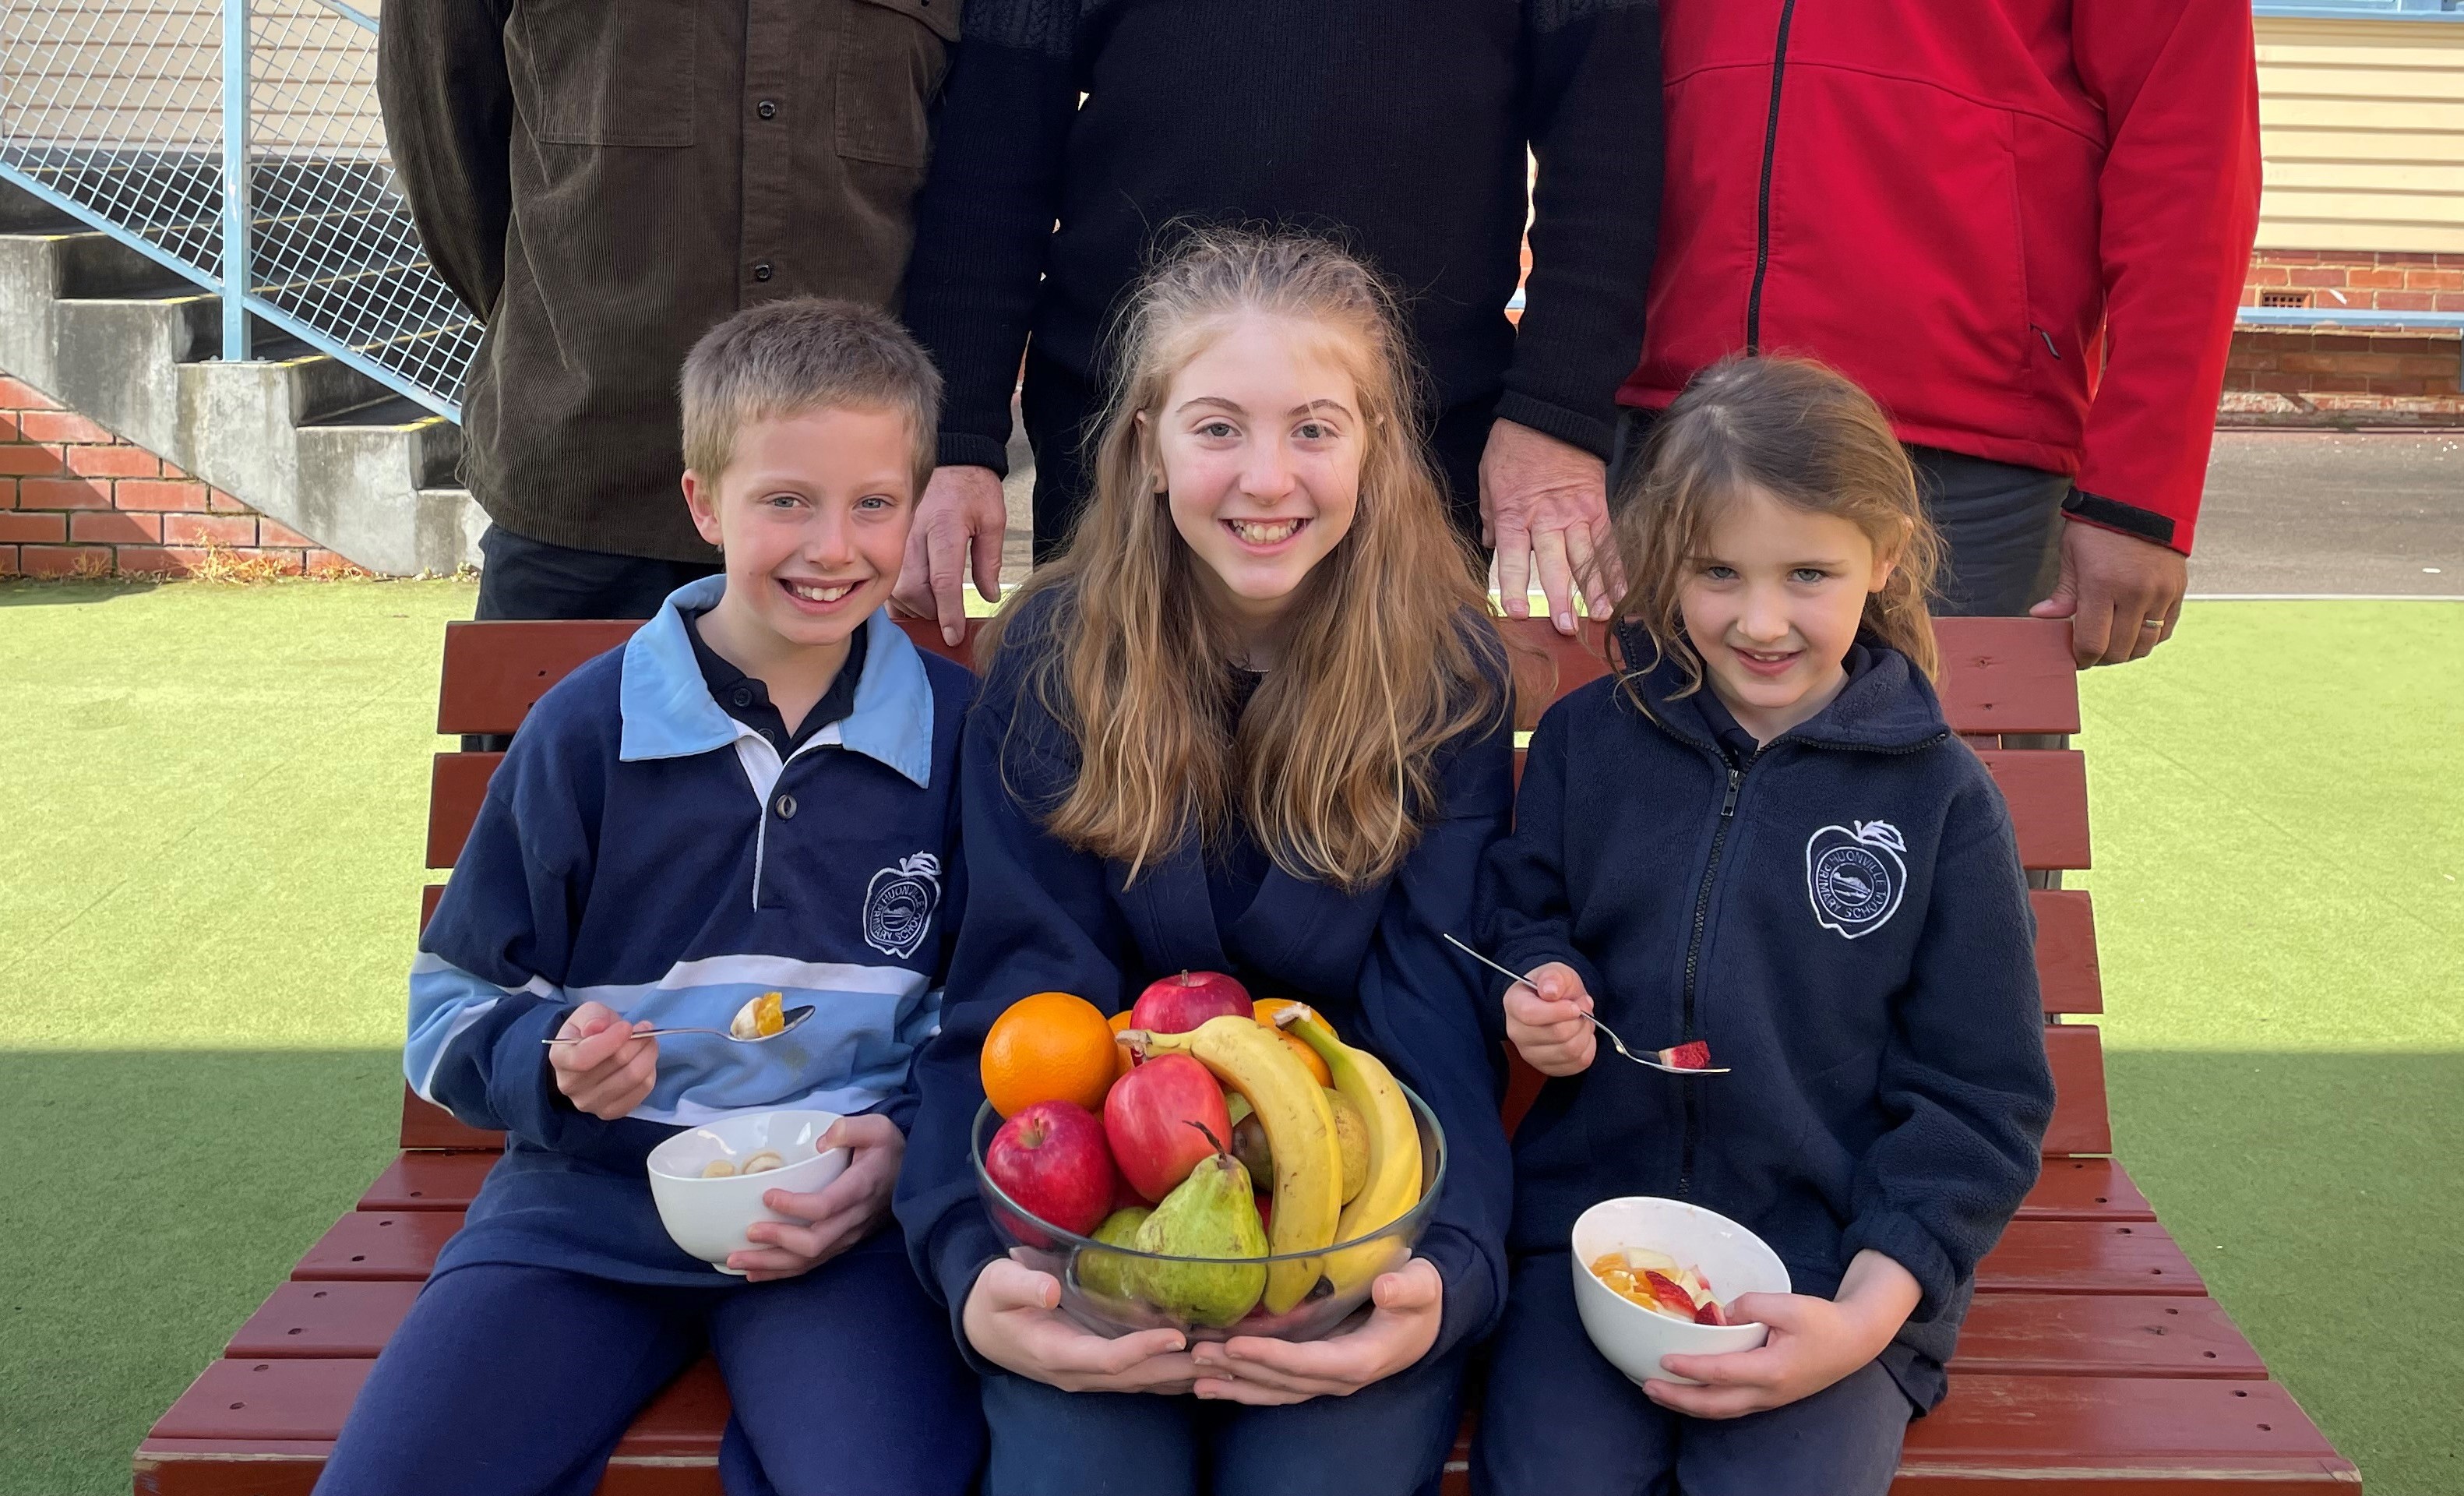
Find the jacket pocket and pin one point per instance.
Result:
(604, 72)
(892, 59)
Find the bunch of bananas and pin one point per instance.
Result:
(1313, 1209)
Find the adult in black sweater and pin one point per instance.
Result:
(1073, 133)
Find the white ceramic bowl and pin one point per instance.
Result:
(708, 1217)
(1731, 1258)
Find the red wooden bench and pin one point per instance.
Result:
(2094, 1360)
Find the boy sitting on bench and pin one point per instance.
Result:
(641, 862)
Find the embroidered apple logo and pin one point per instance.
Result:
(1854, 875)
(898, 905)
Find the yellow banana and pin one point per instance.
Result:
(1393, 1183)
(1248, 1058)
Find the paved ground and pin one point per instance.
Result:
(2332, 512)
(2286, 512)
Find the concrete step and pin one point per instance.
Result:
(296, 434)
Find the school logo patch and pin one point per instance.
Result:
(1855, 876)
(898, 905)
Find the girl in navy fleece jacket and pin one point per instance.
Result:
(1762, 836)
(1253, 721)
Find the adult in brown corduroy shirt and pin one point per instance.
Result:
(602, 182)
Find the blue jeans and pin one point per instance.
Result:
(1389, 1438)
(1560, 1420)
(519, 1381)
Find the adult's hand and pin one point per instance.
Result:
(1545, 502)
(959, 526)
(837, 1216)
(2122, 594)
(1013, 1319)
(1399, 1329)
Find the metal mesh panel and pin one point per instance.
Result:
(115, 107)
(332, 240)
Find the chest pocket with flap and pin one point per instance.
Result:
(891, 60)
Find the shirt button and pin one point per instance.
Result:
(743, 696)
(786, 807)
(762, 271)
(766, 109)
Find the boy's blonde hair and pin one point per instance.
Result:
(1332, 764)
(1808, 438)
(803, 354)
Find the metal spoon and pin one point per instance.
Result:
(1643, 1060)
(787, 1025)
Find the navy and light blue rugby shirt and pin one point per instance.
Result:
(642, 848)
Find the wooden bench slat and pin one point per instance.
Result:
(2007, 675)
(1998, 675)
(2067, 969)
(372, 1245)
(2085, 1189)
(457, 785)
(429, 1181)
(2084, 1334)
(2034, 1256)
(2087, 1257)
(345, 1321)
(428, 1125)
(275, 1397)
(2100, 1335)
(494, 672)
(2046, 791)
(2118, 1435)
(2076, 1051)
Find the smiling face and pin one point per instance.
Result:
(1260, 439)
(1772, 603)
(811, 513)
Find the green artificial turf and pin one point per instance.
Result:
(209, 847)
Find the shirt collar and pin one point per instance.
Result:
(668, 713)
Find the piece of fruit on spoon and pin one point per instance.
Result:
(1692, 1055)
(762, 1018)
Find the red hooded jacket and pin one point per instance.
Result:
(2023, 224)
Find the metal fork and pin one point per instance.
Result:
(1619, 1044)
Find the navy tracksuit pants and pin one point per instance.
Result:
(1389, 1438)
(519, 1381)
(1560, 1420)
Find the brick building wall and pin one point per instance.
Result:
(2395, 376)
(77, 501)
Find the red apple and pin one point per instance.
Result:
(1148, 1116)
(1050, 1161)
(1178, 1004)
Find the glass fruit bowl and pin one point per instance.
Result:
(1106, 1287)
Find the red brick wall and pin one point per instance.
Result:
(2346, 377)
(75, 500)
(2358, 279)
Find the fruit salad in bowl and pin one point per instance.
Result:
(1646, 1274)
(1222, 1189)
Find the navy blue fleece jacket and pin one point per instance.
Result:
(1843, 918)
(1044, 916)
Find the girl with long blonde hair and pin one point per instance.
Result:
(1254, 721)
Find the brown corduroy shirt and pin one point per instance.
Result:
(603, 179)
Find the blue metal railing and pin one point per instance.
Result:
(239, 144)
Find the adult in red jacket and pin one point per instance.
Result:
(2023, 224)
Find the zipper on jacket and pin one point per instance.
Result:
(1762, 202)
(1694, 959)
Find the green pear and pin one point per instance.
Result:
(1107, 1274)
(1212, 1214)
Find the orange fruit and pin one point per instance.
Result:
(1309, 1058)
(1265, 1010)
(1121, 1058)
(1050, 1046)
